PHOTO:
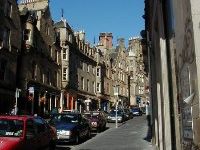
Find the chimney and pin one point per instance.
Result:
(81, 35)
(106, 40)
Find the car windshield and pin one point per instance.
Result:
(87, 115)
(11, 128)
(64, 118)
(119, 112)
(135, 110)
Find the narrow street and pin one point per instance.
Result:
(128, 136)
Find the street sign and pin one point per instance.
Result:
(87, 100)
(31, 89)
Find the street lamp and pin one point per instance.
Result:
(16, 99)
(116, 93)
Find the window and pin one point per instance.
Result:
(27, 34)
(6, 38)
(34, 71)
(88, 68)
(93, 70)
(65, 72)
(3, 64)
(43, 77)
(8, 9)
(98, 87)
(70, 38)
(81, 65)
(140, 90)
(108, 88)
(50, 50)
(49, 77)
(56, 78)
(93, 84)
(82, 83)
(98, 72)
(64, 54)
(88, 84)
(47, 29)
(107, 72)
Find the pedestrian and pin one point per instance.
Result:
(149, 131)
(59, 110)
(148, 114)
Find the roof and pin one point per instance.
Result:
(62, 24)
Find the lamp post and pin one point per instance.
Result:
(16, 99)
(116, 93)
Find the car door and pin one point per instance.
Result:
(31, 141)
(43, 133)
(86, 126)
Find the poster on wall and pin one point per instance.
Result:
(186, 108)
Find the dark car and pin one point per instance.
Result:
(97, 120)
(26, 133)
(71, 127)
(120, 116)
(128, 113)
(136, 111)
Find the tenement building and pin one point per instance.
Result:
(120, 74)
(104, 71)
(10, 47)
(86, 73)
(138, 79)
(39, 62)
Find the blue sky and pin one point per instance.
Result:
(121, 17)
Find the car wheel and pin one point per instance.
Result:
(104, 127)
(77, 139)
(89, 134)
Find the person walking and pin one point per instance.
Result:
(148, 117)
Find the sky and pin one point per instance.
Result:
(123, 18)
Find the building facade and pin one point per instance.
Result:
(10, 47)
(138, 77)
(172, 32)
(39, 69)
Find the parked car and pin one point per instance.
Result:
(26, 133)
(136, 111)
(97, 120)
(120, 116)
(71, 127)
(128, 113)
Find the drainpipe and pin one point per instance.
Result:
(167, 27)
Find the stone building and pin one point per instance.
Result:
(10, 47)
(104, 66)
(39, 61)
(138, 79)
(69, 80)
(120, 74)
(114, 66)
(86, 73)
(172, 34)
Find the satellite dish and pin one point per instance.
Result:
(189, 99)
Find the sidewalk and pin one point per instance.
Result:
(129, 136)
